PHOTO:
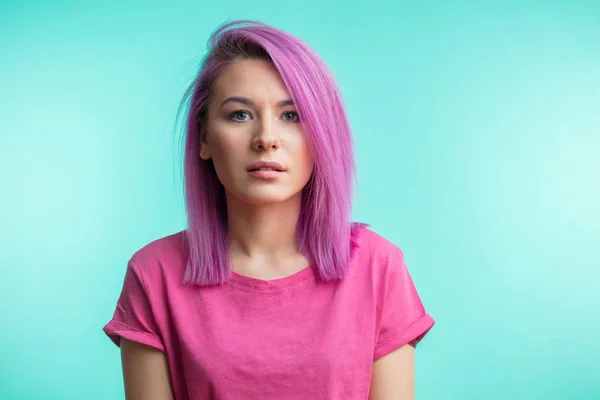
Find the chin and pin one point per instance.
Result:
(263, 200)
(263, 197)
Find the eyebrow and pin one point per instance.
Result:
(249, 102)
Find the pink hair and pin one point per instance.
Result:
(325, 231)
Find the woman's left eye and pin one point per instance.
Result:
(290, 116)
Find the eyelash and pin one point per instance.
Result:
(231, 115)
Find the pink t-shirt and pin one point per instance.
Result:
(288, 338)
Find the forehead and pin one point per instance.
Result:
(255, 79)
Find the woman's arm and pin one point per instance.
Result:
(145, 372)
(393, 375)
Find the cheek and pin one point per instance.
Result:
(225, 147)
(306, 158)
(223, 155)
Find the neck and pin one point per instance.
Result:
(263, 230)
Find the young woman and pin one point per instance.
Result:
(271, 292)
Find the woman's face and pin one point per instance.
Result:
(250, 119)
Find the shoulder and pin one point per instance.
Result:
(162, 258)
(377, 259)
(372, 245)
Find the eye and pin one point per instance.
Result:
(291, 116)
(239, 115)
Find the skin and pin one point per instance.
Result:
(262, 215)
(145, 372)
(393, 375)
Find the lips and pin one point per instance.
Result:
(266, 166)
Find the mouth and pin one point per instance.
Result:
(266, 166)
(266, 170)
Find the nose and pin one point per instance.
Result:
(266, 137)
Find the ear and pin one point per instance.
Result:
(203, 149)
(204, 152)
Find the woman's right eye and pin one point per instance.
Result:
(239, 115)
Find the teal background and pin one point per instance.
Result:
(477, 128)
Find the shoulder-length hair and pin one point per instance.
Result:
(324, 229)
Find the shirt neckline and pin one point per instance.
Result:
(270, 285)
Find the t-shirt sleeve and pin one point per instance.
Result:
(133, 318)
(403, 319)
